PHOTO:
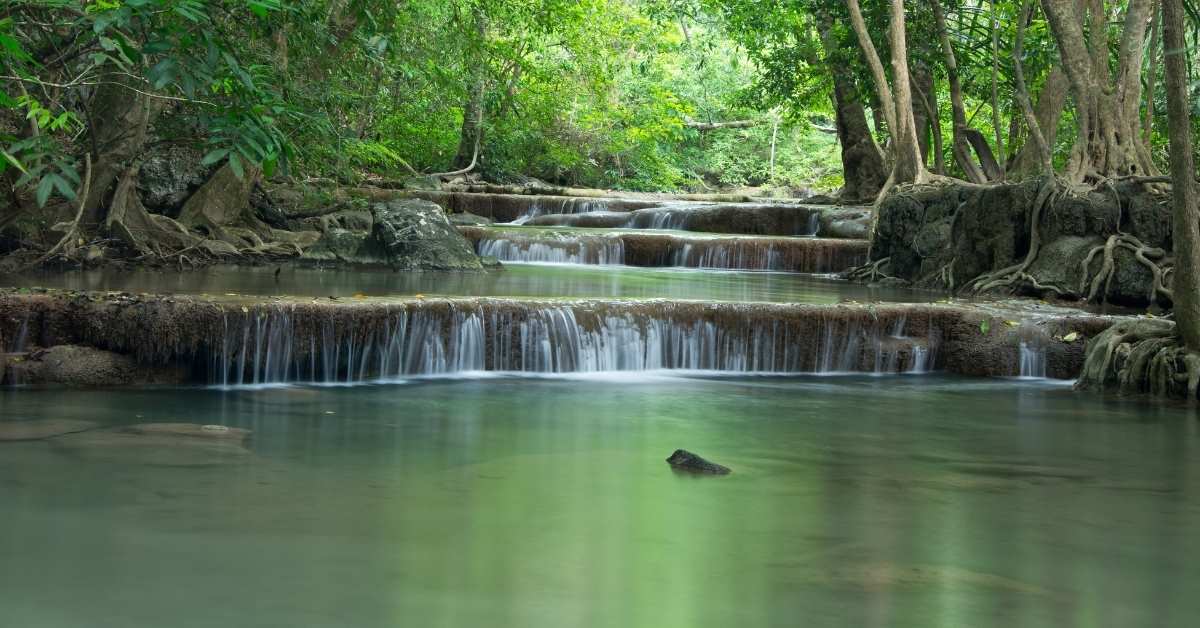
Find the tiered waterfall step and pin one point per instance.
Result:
(661, 249)
(767, 218)
(234, 340)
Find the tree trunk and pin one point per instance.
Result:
(922, 85)
(959, 145)
(120, 120)
(886, 101)
(863, 167)
(1107, 105)
(1031, 122)
(470, 138)
(1152, 75)
(1186, 227)
(1049, 109)
(908, 167)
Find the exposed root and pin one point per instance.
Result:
(871, 272)
(1141, 356)
(1016, 274)
(1100, 284)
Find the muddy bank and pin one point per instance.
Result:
(229, 340)
(632, 248)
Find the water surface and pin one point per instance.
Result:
(527, 502)
(514, 280)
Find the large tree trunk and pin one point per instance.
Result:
(1107, 105)
(1036, 137)
(863, 167)
(120, 120)
(1186, 228)
(922, 84)
(1052, 100)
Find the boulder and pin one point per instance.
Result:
(169, 175)
(689, 462)
(406, 234)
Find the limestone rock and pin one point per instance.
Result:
(169, 175)
(405, 234)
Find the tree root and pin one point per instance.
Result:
(870, 272)
(1101, 284)
(1011, 276)
(1141, 356)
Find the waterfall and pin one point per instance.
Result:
(1032, 352)
(275, 345)
(569, 205)
(732, 254)
(554, 248)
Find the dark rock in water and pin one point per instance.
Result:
(190, 430)
(405, 234)
(683, 460)
(38, 430)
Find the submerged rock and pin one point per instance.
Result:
(41, 429)
(82, 366)
(191, 430)
(467, 218)
(683, 460)
(175, 446)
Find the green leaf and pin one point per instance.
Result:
(63, 187)
(214, 156)
(45, 186)
(235, 164)
(12, 160)
(985, 326)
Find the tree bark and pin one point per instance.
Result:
(960, 147)
(1031, 122)
(120, 121)
(908, 166)
(1052, 100)
(863, 167)
(470, 138)
(1186, 227)
(1107, 105)
(1152, 74)
(886, 102)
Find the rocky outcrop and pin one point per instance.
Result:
(11, 431)
(169, 175)
(400, 234)
(689, 462)
(1084, 243)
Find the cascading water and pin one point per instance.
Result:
(566, 206)
(1032, 352)
(556, 248)
(271, 346)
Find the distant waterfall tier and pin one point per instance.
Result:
(560, 249)
(804, 255)
(734, 218)
(519, 208)
(231, 341)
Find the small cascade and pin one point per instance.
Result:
(553, 248)
(560, 206)
(18, 343)
(814, 224)
(1032, 352)
(280, 344)
(805, 255)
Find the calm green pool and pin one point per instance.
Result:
(876, 501)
